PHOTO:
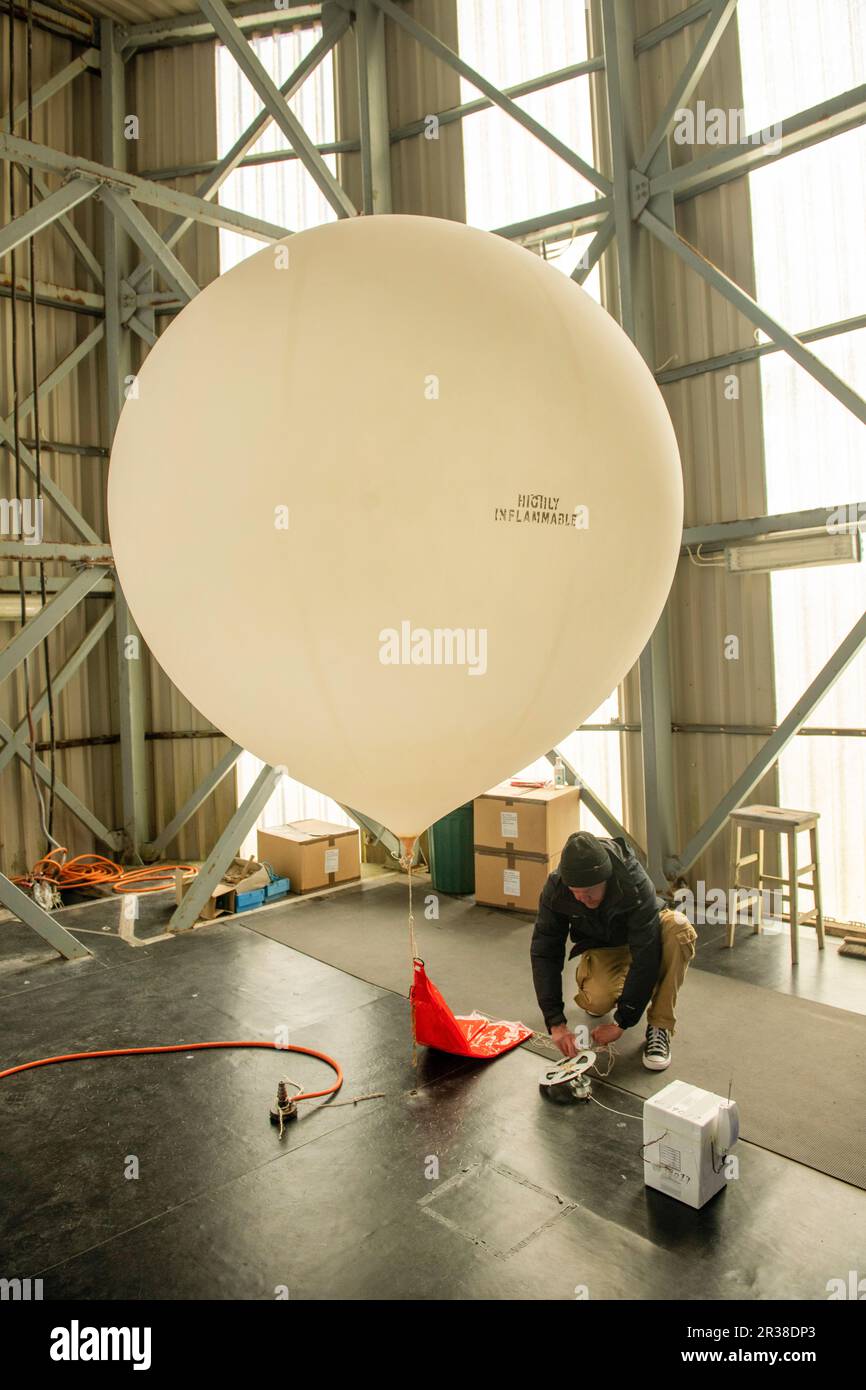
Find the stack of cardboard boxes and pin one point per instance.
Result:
(519, 835)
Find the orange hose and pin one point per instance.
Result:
(92, 870)
(161, 874)
(189, 1047)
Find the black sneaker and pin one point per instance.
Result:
(657, 1049)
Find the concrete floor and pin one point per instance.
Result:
(462, 1183)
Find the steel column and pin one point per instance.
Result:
(623, 113)
(636, 315)
(658, 750)
(118, 367)
(373, 107)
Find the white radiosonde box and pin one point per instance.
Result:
(687, 1135)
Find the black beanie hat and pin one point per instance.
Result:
(584, 861)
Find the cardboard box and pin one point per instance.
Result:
(312, 853)
(527, 820)
(242, 876)
(511, 881)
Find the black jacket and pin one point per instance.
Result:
(628, 915)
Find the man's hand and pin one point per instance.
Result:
(606, 1033)
(564, 1039)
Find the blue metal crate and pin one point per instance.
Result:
(277, 888)
(245, 901)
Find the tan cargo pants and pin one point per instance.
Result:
(601, 972)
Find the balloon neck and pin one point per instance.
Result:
(408, 842)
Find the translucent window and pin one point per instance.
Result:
(808, 218)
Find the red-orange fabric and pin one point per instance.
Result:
(436, 1026)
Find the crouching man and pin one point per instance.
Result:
(633, 950)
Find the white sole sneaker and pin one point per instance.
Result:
(652, 1060)
(656, 1063)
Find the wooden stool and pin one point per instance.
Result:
(782, 822)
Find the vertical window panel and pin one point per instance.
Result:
(808, 216)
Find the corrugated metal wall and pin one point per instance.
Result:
(172, 92)
(69, 122)
(721, 446)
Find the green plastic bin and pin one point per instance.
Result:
(452, 851)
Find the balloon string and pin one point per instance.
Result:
(412, 941)
(413, 950)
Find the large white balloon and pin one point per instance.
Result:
(396, 505)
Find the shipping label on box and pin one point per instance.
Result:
(508, 824)
(332, 861)
(511, 883)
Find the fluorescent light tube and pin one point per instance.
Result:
(794, 552)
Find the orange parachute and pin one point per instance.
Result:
(473, 1036)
